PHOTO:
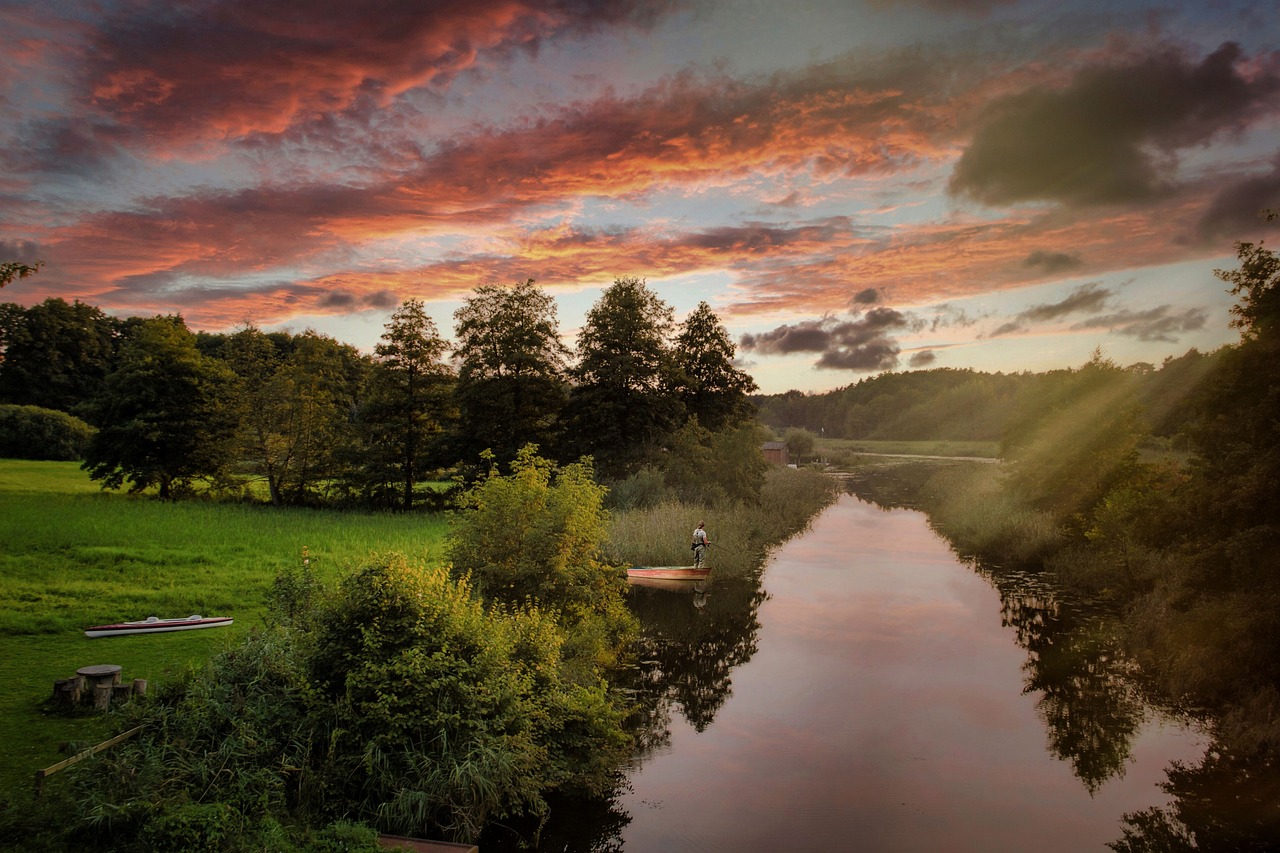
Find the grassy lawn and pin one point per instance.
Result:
(837, 446)
(74, 556)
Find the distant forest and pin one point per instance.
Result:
(947, 404)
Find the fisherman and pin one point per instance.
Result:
(699, 545)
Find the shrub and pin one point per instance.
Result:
(536, 535)
(444, 714)
(188, 827)
(30, 432)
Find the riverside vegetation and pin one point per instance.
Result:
(426, 691)
(1182, 544)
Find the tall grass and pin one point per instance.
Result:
(740, 533)
(971, 507)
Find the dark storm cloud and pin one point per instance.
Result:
(1051, 262)
(1086, 299)
(1110, 135)
(924, 358)
(66, 146)
(339, 300)
(870, 296)
(862, 343)
(1155, 324)
(1236, 212)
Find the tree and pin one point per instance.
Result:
(712, 467)
(711, 388)
(11, 270)
(165, 416)
(407, 406)
(624, 402)
(512, 385)
(536, 535)
(295, 412)
(56, 354)
(800, 443)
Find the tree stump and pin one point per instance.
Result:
(139, 687)
(102, 696)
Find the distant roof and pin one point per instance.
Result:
(775, 445)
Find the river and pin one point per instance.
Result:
(869, 690)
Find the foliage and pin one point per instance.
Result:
(31, 432)
(406, 409)
(164, 416)
(536, 535)
(716, 468)
(1075, 439)
(10, 270)
(712, 389)
(800, 444)
(295, 410)
(944, 403)
(446, 714)
(624, 403)
(56, 355)
(512, 378)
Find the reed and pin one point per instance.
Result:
(971, 507)
(740, 533)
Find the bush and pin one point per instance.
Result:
(30, 432)
(192, 827)
(536, 535)
(443, 713)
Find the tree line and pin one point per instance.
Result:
(967, 405)
(318, 422)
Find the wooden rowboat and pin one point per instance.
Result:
(669, 573)
(156, 625)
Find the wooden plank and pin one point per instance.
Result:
(81, 756)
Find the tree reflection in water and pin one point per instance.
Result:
(1092, 701)
(691, 642)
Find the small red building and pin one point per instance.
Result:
(775, 453)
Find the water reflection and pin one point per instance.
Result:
(872, 698)
(690, 645)
(1088, 696)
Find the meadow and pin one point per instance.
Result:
(837, 449)
(75, 556)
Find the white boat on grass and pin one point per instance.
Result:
(156, 625)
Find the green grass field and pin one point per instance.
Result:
(74, 556)
(831, 447)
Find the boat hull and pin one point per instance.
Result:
(668, 573)
(157, 626)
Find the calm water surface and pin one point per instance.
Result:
(871, 691)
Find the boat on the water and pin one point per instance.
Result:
(156, 625)
(669, 573)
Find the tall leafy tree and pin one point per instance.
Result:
(295, 412)
(56, 354)
(711, 388)
(165, 416)
(512, 383)
(624, 402)
(408, 404)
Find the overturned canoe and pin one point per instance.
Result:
(156, 625)
(669, 573)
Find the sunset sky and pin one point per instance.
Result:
(853, 185)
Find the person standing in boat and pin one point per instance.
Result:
(700, 543)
